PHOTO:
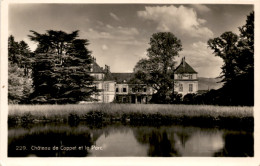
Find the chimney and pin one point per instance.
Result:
(183, 61)
(107, 68)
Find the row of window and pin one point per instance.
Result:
(106, 88)
(124, 89)
(190, 88)
(180, 76)
(133, 90)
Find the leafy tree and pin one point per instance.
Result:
(237, 53)
(15, 81)
(158, 70)
(18, 52)
(24, 48)
(225, 47)
(189, 98)
(19, 86)
(13, 50)
(19, 66)
(176, 98)
(60, 72)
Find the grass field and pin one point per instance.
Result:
(131, 112)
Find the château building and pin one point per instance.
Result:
(186, 79)
(104, 82)
(117, 87)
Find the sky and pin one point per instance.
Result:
(119, 34)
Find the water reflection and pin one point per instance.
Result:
(63, 140)
(181, 141)
(237, 144)
(119, 143)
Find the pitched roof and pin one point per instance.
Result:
(96, 68)
(109, 76)
(184, 67)
(122, 77)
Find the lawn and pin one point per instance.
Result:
(152, 113)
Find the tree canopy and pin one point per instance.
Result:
(237, 52)
(19, 63)
(158, 69)
(60, 73)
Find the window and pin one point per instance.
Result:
(190, 87)
(190, 76)
(96, 77)
(180, 87)
(144, 89)
(106, 98)
(116, 89)
(124, 100)
(106, 87)
(124, 89)
(133, 89)
(179, 76)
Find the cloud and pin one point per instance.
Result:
(104, 47)
(110, 32)
(109, 26)
(127, 31)
(201, 8)
(180, 20)
(100, 23)
(114, 16)
(200, 57)
(131, 42)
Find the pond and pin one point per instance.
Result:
(125, 140)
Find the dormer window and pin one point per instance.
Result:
(179, 76)
(190, 76)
